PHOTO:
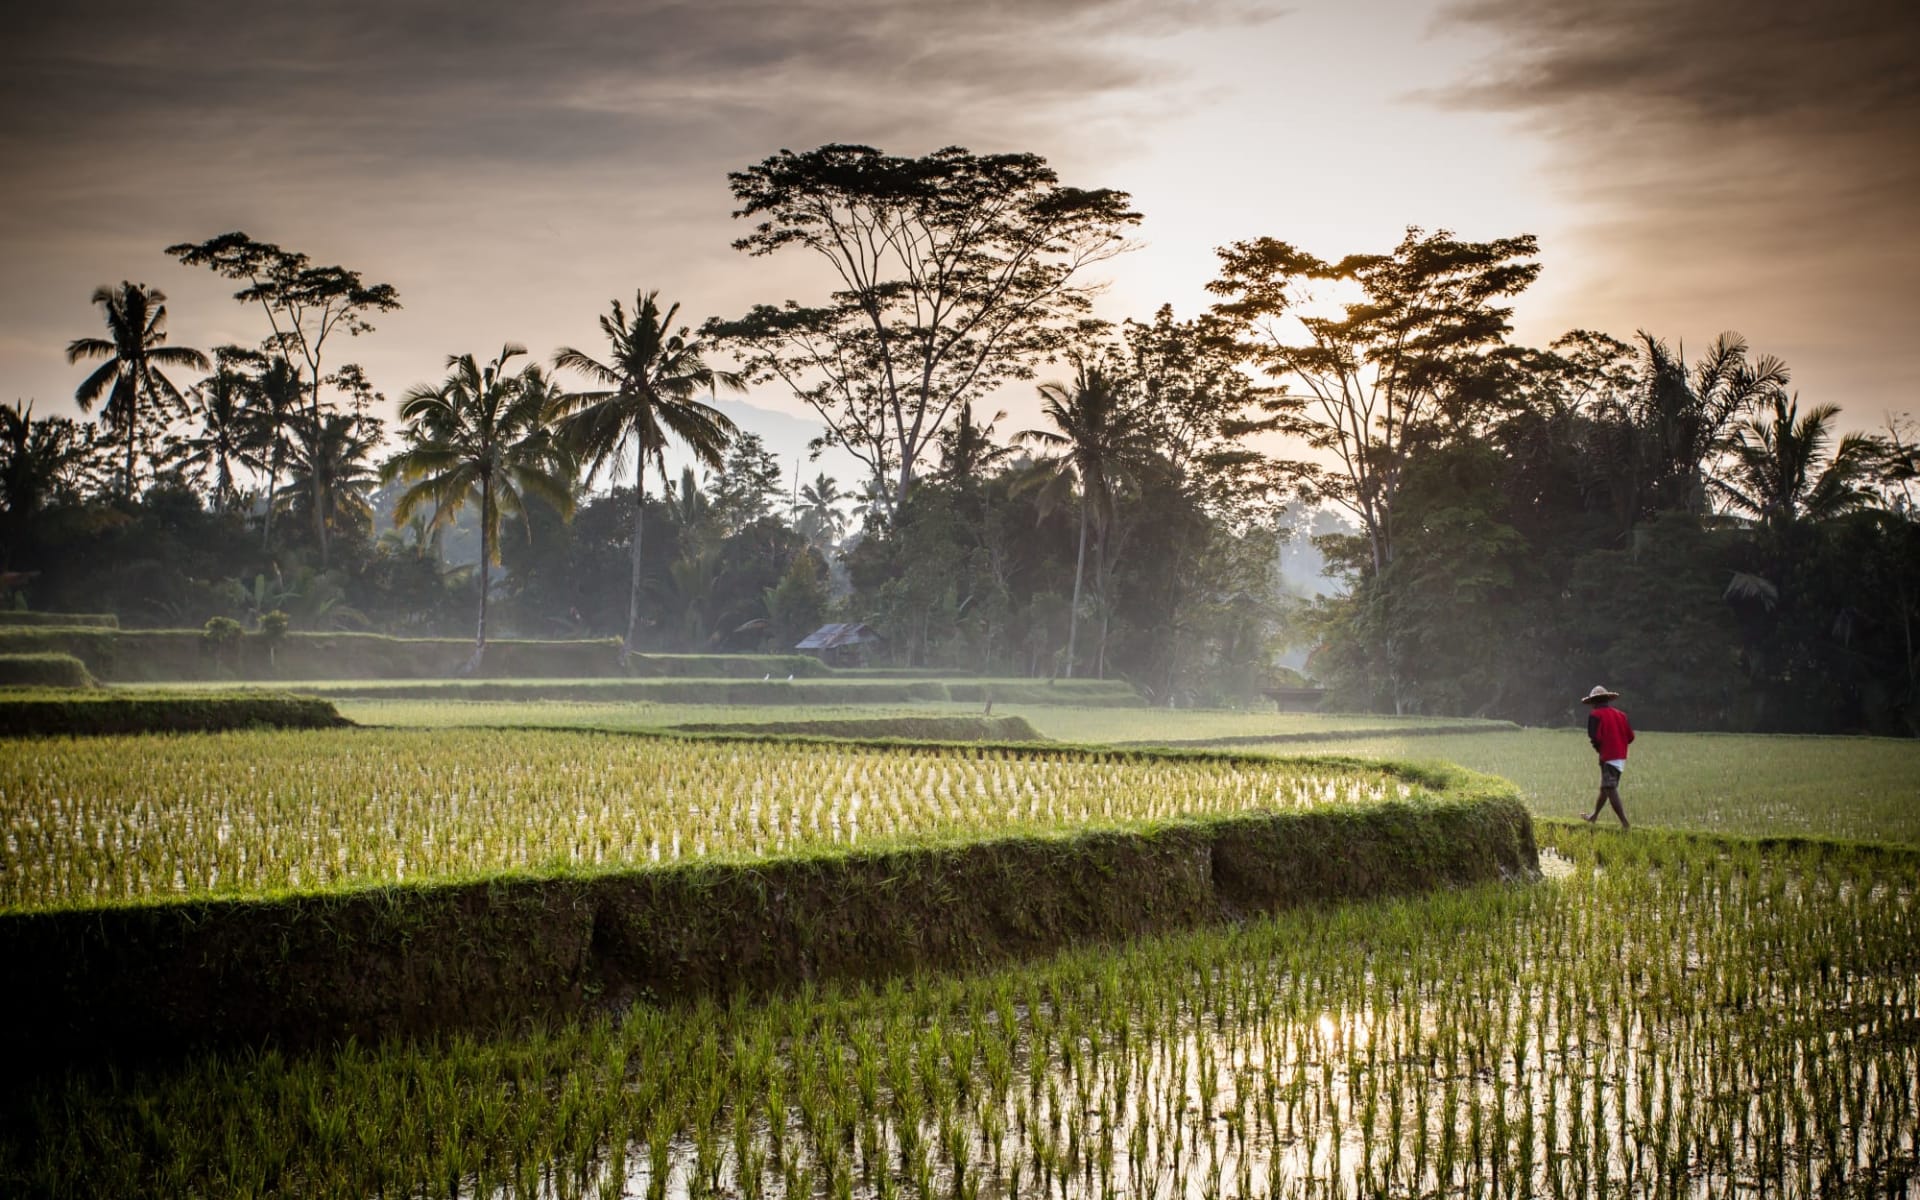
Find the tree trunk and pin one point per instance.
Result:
(1079, 569)
(133, 442)
(273, 482)
(319, 481)
(486, 557)
(633, 596)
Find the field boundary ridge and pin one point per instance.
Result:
(501, 952)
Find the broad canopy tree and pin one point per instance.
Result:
(304, 304)
(954, 272)
(1379, 367)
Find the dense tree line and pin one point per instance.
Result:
(1520, 521)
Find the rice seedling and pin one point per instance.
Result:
(1864, 789)
(115, 819)
(1669, 1017)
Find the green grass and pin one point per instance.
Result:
(43, 671)
(109, 820)
(1061, 722)
(63, 712)
(729, 691)
(1670, 1016)
(1856, 789)
(1860, 789)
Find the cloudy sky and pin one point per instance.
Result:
(1689, 165)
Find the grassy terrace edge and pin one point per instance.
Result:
(500, 952)
(48, 712)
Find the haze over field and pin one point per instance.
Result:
(1689, 168)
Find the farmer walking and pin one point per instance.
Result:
(1610, 732)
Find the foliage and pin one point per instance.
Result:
(304, 305)
(1406, 354)
(648, 385)
(130, 379)
(954, 273)
(43, 671)
(119, 713)
(482, 434)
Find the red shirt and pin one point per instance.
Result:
(1609, 731)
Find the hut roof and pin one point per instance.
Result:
(850, 633)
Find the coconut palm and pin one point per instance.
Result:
(647, 387)
(275, 395)
(1097, 439)
(328, 463)
(134, 349)
(818, 513)
(1775, 473)
(967, 448)
(40, 460)
(482, 434)
(220, 404)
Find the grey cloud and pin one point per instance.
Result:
(442, 81)
(461, 148)
(1757, 159)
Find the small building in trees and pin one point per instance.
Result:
(844, 644)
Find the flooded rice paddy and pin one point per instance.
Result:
(1661, 1017)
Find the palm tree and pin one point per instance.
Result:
(220, 403)
(1775, 474)
(39, 461)
(328, 464)
(1682, 416)
(648, 384)
(967, 449)
(275, 396)
(482, 434)
(818, 511)
(1098, 440)
(134, 349)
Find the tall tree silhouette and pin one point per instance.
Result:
(951, 274)
(1684, 415)
(305, 305)
(646, 389)
(134, 349)
(1779, 472)
(480, 435)
(223, 438)
(336, 450)
(1097, 440)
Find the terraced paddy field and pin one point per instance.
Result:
(1859, 789)
(1664, 1016)
(105, 820)
(1856, 789)
(1065, 722)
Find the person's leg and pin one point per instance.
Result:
(1612, 796)
(1600, 801)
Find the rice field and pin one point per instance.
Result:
(1665, 1017)
(1855, 789)
(1064, 723)
(104, 820)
